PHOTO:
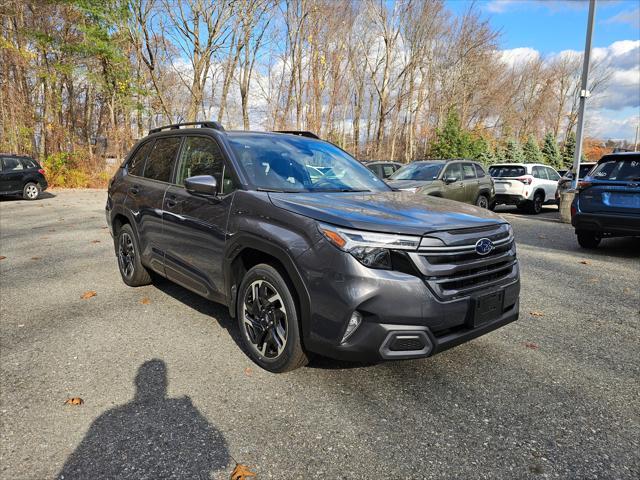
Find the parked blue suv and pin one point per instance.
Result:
(608, 200)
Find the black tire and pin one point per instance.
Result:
(31, 191)
(588, 239)
(264, 322)
(535, 206)
(483, 201)
(128, 254)
(492, 206)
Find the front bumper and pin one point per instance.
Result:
(610, 223)
(393, 305)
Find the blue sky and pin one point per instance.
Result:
(552, 26)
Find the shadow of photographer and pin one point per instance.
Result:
(151, 437)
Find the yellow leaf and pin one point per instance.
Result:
(145, 301)
(88, 294)
(536, 314)
(74, 401)
(241, 472)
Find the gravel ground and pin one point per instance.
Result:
(554, 395)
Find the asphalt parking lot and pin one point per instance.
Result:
(553, 395)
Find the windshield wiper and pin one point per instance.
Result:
(277, 190)
(325, 190)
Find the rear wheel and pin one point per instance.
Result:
(133, 272)
(268, 320)
(588, 239)
(535, 205)
(482, 201)
(31, 191)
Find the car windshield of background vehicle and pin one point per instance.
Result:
(286, 163)
(418, 171)
(621, 170)
(507, 171)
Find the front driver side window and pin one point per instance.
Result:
(453, 172)
(202, 156)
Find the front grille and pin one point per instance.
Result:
(456, 270)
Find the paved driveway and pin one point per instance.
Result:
(554, 395)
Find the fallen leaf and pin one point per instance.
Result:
(52, 229)
(2, 257)
(594, 280)
(241, 472)
(95, 241)
(626, 291)
(536, 314)
(74, 401)
(35, 258)
(104, 228)
(248, 371)
(145, 301)
(532, 346)
(585, 262)
(542, 236)
(88, 294)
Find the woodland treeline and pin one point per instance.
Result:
(83, 79)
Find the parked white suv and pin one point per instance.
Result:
(526, 185)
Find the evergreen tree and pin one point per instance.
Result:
(513, 152)
(550, 150)
(531, 151)
(569, 149)
(498, 154)
(453, 142)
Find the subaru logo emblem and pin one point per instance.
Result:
(484, 246)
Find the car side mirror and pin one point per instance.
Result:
(449, 180)
(201, 185)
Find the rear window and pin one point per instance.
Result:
(618, 169)
(162, 158)
(507, 171)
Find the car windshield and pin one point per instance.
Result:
(506, 171)
(418, 171)
(618, 169)
(287, 163)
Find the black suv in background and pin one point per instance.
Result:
(337, 263)
(21, 175)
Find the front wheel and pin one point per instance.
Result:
(535, 205)
(268, 320)
(31, 191)
(588, 239)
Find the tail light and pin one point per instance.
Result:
(41, 171)
(583, 185)
(573, 211)
(526, 180)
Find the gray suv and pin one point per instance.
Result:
(336, 263)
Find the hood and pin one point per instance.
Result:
(391, 212)
(400, 184)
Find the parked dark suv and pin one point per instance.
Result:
(337, 264)
(20, 175)
(607, 203)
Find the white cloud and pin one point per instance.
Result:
(629, 17)
(502, 6)
(518, 56)
(603, 124)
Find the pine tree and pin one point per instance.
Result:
(448, 139)
(513, 152)
(550, 150)
(569, 149)
(498, 154)
(531, 151)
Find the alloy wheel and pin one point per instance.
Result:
(126, 255)
(265, 319)
(31, 191)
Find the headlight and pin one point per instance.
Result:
(369, 248)
(412, 189)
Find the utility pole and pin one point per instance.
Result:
(584, 93)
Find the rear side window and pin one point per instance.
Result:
(29, 163)
(136, 164)
(540, 172)
(468, 171)
(162, 158)
(507, 171)
(200, 156)
(479, 171)
(618, 170)
(11, 164)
